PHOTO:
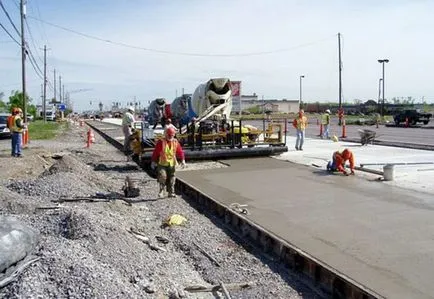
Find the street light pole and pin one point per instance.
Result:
(383, 61)
(379, 94)
(300, 99)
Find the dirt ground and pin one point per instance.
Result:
(86, 250)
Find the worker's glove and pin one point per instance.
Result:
(183, 163)
(153, 165)
(346, 173)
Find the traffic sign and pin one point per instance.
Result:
(61, 107)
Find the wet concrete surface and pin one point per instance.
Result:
(378, 235)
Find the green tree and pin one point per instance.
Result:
(16, 101)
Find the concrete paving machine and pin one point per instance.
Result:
(205, 128)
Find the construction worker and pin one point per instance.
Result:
(300, 124)
(338, 162)
(127, 125)
(169, 125)
(164, 159)
(17, 132)
(326, 124)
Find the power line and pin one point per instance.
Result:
(10, 20)
(178, 53)
(33, 40)
(10, 35)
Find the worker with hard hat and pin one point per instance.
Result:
(127, 125)
(169, 125)
(300, 124)
(339, 160)
(17, 128)
(164, 159)
(326, 124)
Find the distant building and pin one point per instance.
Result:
(273, 105)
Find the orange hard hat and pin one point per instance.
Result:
(346, 154)
(170, 132)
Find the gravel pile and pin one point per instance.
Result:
(87, 251)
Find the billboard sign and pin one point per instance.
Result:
(236, 88)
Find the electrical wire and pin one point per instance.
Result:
(10, 20)
(10, 35)
(33, 41)
(173, 52)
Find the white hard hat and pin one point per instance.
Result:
(131, 109)
(328, 111)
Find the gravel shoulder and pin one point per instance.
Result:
(86, 249)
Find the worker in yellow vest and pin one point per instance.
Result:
(164, 159)
(17, 133)
(326, 124)
(300, 124)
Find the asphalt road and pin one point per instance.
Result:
(389, 134)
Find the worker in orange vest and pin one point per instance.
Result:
(164, 159)
(338, 162)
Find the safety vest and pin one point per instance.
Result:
(326, 119)
(168, 154)
(301, 123)
(10, 122)
(15, 128)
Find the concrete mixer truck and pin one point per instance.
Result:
(205, 127)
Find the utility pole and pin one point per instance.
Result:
(23, 59)
(54, 85)
(340, 77)
(44, 100)
(60, 89)
(63, 94)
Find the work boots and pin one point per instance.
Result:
(161, 192)
(171, 187)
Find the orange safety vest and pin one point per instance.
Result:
(168, 154)
(10, 122)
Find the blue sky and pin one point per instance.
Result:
(305, 31)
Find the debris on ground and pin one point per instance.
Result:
(84, 249)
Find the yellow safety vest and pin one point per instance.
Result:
(168, 155)
(15, 128)
(302, 123)
(326, 119)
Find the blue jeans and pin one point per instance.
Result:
(16, 144)
(300, 139)
(326, 131)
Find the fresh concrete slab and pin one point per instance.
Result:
(379, 235)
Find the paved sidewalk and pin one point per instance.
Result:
(413, 177)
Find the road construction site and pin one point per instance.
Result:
(278, 227)
(353, 236)
(92, 243)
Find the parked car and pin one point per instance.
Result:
(29, 117)
(413, 117)
(4, 131)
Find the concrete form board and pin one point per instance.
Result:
(378, 235)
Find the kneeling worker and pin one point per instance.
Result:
(164, 158)
(339, 159)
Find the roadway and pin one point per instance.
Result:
(423, 135)
(377, 235)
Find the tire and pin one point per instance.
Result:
(425, 122)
